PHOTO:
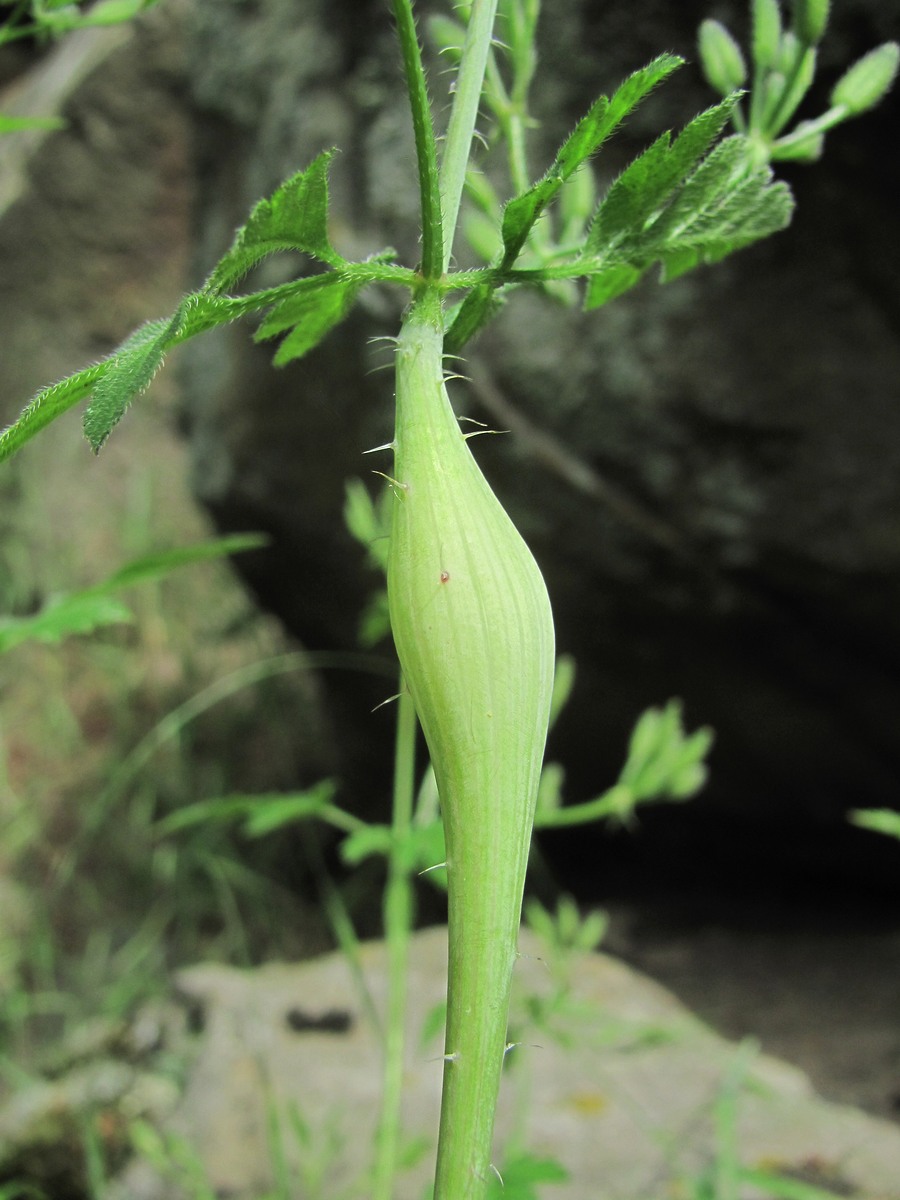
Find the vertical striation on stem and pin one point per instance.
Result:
(474, 633)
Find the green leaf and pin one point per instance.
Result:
(62, 617)
(17, 124)
(664, 208)
(316, 306)
(270, 813)
(724, 205)
(114, 12)
(129, 372)
(878, 820)
(423, 846)
(91, 608)
(130, 369)
(64, 17)
(479, 306)
(369, 521)
(156, 566)
(120, 377)
(363, 843)
(520, 1175)
(294, 217)
(604, 116)
(648, 183)
(50, 403)
(258, 813)
(661, 760)
(609, 283)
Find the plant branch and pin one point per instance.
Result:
(464, 114)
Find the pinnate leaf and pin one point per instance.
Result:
(479, 306)
(315, 307)
(50, 403)
(727, 202)
(128, 373)
(602, 119)
(648, 183)
(130, 370)
(91, 608)
(118, 379)
(610, 282)
(294, 217)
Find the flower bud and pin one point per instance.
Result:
(721, 58)
(810, 20)
(868, 81)
(766, 32)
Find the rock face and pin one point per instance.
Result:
(626, 1090)
(708, 473)
(93, 216)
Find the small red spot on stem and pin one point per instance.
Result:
(445, 575)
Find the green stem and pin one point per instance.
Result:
(795, 88)
(828, 120)
(464, 114)
(619, 799)
(478, 654)
(398, 908)
(426, 148)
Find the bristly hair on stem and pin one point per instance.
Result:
(432, 266)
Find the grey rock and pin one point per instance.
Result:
(622, 1085)
(44, 1124)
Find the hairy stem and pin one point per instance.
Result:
(426, 149)
(474, 633)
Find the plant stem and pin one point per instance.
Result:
(426, 148)
(464, 114)
(617, 800)
(398, 907)
(478, 655)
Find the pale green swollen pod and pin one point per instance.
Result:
(474, 632)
